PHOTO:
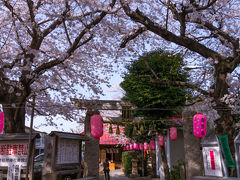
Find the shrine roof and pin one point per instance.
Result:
(17, 136)
(66, 135)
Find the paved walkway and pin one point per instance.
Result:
(119, 175)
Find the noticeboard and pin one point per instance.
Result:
(212, 161)
(67, 151)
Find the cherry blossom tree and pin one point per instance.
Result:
(51, 45)
(204, 29)
(50, 49)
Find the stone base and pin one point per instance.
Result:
(213, 178)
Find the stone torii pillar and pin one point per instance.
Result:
(91, 155)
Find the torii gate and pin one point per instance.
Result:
(91, 156)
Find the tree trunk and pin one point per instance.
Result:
(225, 124)
(14, 118)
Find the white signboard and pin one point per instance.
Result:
(67, 151)
(13, 153)
(212, 161)
(14, 172)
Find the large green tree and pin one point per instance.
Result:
(144, 94)
(157, 101)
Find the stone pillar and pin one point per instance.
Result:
(153, 158)
(192, 146)
(134, 168)
(91, 155)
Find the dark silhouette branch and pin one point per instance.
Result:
(132, 35)
(176, 83)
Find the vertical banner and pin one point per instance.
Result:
(14, 172)
(212, 161)
(1, 122)
(10, 174)
(226, 150)
(17, 172)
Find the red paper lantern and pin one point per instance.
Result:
(96, 126)
(1, 122)
(161, 140)
(131, 147)
(152, 145)
(145, 146)
(199, 125)
(141, 147)
(136, 146)
(127, 147)
(173, 133)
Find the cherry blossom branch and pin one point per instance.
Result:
(66, 31)
(75, 45)
(57, 22)
(10, 8)
(176, 83)
(133, 35)
(38, 4)
(199, 8)
(187, 42)
(35, 27)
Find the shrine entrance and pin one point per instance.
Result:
(93, 154)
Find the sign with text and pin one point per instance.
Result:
(14, 172)
(226, 150)
(212, 161)
(67, 151)
(13, 153)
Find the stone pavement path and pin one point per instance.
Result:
(119, 175)
(116, 175)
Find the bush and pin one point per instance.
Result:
(139, 158)
(127, 162)
(175, 172)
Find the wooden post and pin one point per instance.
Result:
(30, 142)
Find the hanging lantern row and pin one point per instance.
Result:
(173, 133)
(1, 122)
(136, 146)
(199, 125)
(140, 146)
(96, 126)
(160, 140)
(145, 145)
(152, 145)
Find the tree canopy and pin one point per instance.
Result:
(54, 45)
(209, 30)
(144, 94)
(45, 49)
